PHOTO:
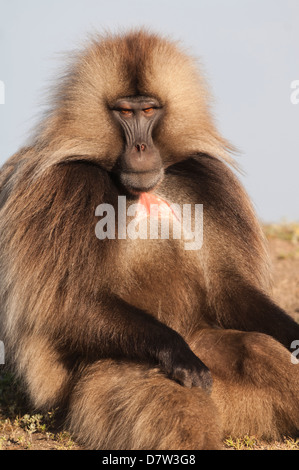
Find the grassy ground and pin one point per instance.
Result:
(23, 430)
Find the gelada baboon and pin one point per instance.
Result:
(145, 344)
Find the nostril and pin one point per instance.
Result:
(140, 147)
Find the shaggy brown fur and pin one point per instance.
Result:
(88, 324)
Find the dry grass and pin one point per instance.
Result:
(24, 430)
(251, 443)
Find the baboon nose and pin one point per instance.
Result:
(140, 147)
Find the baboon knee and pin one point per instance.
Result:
(136, 408)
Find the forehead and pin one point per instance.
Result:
(136, 102)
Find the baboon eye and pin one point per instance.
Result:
(126, 112)
(148, 110)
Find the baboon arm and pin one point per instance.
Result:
(234, 253)
(247, 308)
(124, 331)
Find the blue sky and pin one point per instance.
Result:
(249, 51)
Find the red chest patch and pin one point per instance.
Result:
(151, 205)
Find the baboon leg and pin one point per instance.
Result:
(255, 384)
(43, 372)
(125, 406)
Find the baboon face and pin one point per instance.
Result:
(140, 166)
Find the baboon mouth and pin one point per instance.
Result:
(140, 182)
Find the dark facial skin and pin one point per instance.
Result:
(140, 166)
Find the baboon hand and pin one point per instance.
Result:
(183, 366)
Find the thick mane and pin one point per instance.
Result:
(138, 63)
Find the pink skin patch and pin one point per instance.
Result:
(151, 205)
